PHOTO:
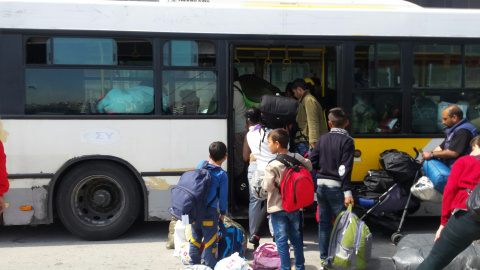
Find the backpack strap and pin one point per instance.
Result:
(214, 198)
(205, 166)
(239, 89)
(288, 161)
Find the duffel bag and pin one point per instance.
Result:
(437, 172)
(399, 165)
(378, 181)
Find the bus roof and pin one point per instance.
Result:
(299, 18)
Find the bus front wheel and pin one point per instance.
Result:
(98, 200)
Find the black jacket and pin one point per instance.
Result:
(332, 157)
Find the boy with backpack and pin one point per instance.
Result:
(207, 228)
(332, 157)
(286, 225)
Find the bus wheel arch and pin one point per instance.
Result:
(97, 198)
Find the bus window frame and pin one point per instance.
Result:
(401, 88)
(376, 67)
(157, 41)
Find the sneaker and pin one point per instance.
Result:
(255, 240)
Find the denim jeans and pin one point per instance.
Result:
(331, 202)
(205, 231)
(459, 232)
(286, 226)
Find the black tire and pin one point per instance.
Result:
(396, 237)
(98, 200)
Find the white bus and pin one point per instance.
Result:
(104, 104)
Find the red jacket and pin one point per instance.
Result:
(3, 172)
(465, 174)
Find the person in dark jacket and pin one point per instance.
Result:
(458, 134)
(332, 157)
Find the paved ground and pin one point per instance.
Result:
(143, 247)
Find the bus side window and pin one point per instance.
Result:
(188, 103)
(363, 114)
(138, 99)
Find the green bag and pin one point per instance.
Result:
(350, 244)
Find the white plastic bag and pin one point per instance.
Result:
(179, 237)
(425, 190)
(184, 253)
(233, 262)
(256, 185)
(197, 267)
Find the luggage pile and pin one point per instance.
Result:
(384, 198)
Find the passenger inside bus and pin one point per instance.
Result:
(317, 91)
(363, 115)
(424, 114)
(361, 77)
(390, 122)
(288, 90)
(188, 104)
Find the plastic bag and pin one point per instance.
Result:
(184, 253)
(179, 237)
(197, 267)
(425, 190)
(232, 262)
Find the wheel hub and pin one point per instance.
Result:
(98, 200)
(102, 197)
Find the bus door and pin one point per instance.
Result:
(268, 69)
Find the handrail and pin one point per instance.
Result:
(268, 61)
(286, 60)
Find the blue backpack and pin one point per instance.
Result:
(231, 239)
(190, 195)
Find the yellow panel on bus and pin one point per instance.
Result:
(371, 148)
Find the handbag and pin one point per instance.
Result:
(473, 201)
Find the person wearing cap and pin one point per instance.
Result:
(4, 185)
(310, 85)
(310, 118)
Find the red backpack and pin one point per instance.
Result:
(296, 186)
